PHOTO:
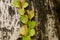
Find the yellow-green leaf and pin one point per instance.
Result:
(21, 11)
(31, 24)
(24, 30)
(25, 5)
(26, 38)
(31, 32)
(30, 14)
(24, 19)
(16, 3)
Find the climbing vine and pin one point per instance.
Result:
(27, 30)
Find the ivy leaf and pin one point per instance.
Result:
(26, 38)
(30, 14)
(16, 3)
(31, 32)
(24, 30)
(25, 5)
(24, 19)
(31, 24)
(21, 11)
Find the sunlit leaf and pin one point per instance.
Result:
(25, 5)
(31, 24)
(24, 30)
(30, 14)
(16, 3)
(24, 19)
(21, 11)
(26, 38)
(31, 32)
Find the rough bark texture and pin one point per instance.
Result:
(9, 27)
(46, 15)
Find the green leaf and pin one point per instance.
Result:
(31, 24)
(25, 5)
(24, 19)
(31, 32)
(26, 38)
(30, 14)
(16, 3)
(21, 11)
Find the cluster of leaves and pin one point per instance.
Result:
(27, 30)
